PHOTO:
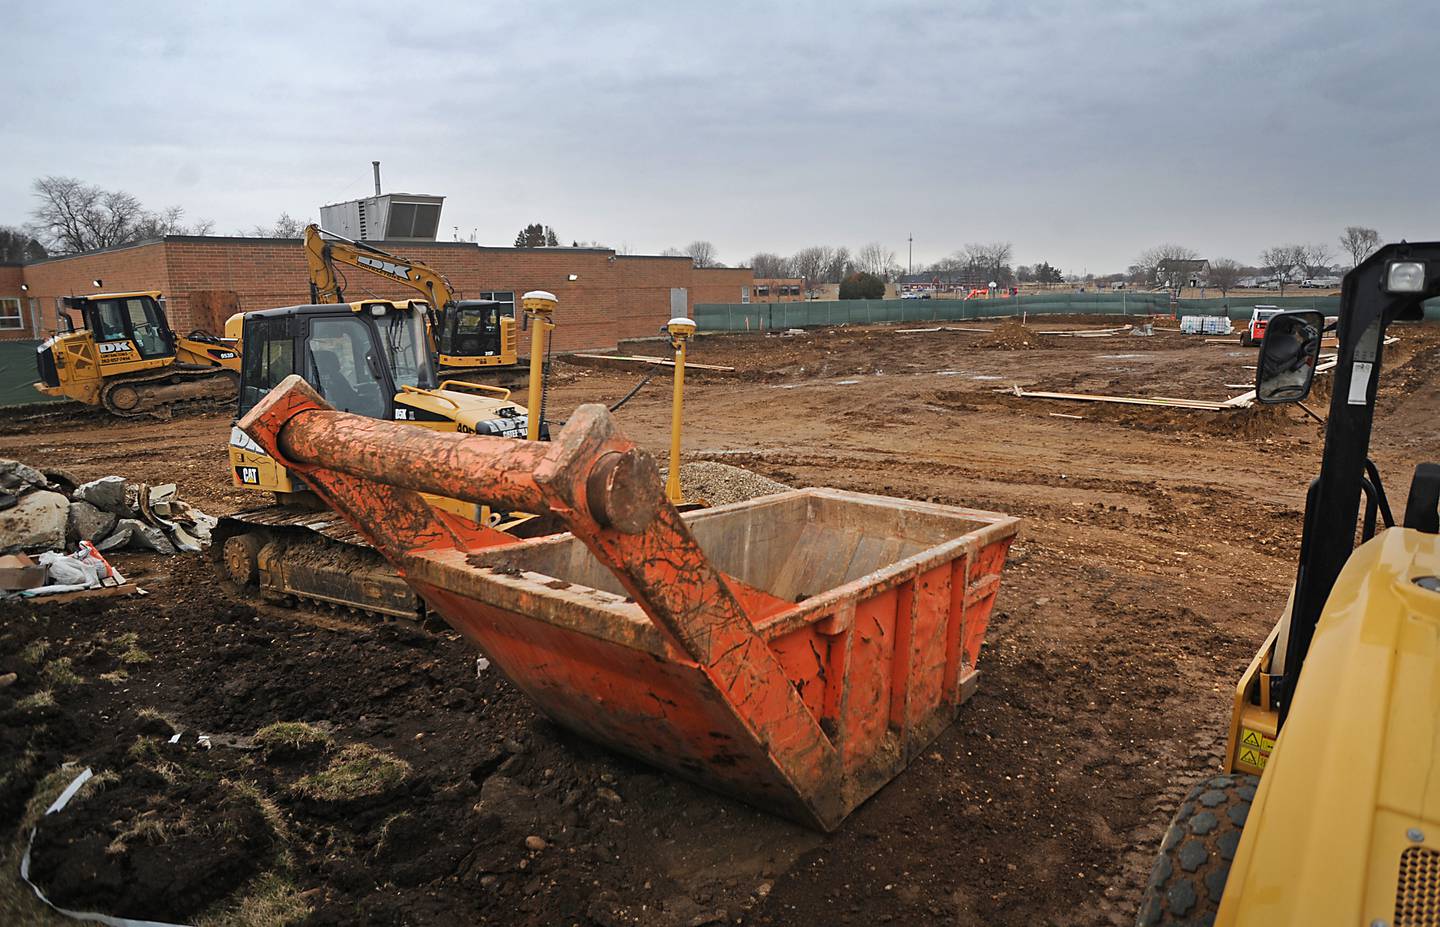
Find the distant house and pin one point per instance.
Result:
(1176, 273)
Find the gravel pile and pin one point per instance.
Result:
(721, 484)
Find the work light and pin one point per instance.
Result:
(1405, 277)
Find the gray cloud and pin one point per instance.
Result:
(1081, 132)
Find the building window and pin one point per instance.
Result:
(506, 299)
(10, 318)
(762, 291)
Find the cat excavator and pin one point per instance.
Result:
(467, 333)
(373, 358)
(124, 357)
(1328, 808)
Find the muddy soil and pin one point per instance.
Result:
(1155, 549)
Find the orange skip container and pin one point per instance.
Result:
(794, 651)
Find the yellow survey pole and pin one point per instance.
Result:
(537, 304)
(681, 331)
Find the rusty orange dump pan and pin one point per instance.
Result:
(795, 651)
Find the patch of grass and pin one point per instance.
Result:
(291, 738)
(61, 672)
(144, 749)
(117, 676)
(272, 900)
(34, 651)
(358, 771)
(134, 656)
(148, 827)
(268, 808)
(43, 698)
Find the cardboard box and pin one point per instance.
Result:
(18, 571)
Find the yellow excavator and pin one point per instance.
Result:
(124, 356)
(373, 358)
(1328, 810)
(467, 333)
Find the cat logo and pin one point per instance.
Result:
(115, 347)
(385, 267)
(250, 475)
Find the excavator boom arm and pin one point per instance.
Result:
(323, 250)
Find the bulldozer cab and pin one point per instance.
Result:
(126, 325)
(471, 328)
(358, 355)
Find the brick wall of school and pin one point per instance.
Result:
(603, 296)
(12, 276)
(126, 268)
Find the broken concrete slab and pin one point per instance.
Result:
(142, 537)
(87, 523)
(36, 522)
(16, 477)
(107, 494)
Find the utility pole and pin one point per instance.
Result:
(910, 262)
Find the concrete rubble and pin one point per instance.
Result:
(46, 511)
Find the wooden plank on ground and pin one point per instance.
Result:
(657, 361)
(100, 592)
(1196, 404)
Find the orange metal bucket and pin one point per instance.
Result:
(795, 651)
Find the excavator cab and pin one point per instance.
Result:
(361, 356)
(472, 328)
(1328, 808)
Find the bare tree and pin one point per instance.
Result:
(1317, 260)
(840, 265)
(992, 260)
(673, 252)
(18, 245)
(767, 265)
(285, 227)
(1281, 260)
(74, 216)
(1148, 263)
(1225, 275)
(876, 259)
(702, 253)
(1358, 242)
(812, 264)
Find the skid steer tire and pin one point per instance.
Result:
(1189, 874)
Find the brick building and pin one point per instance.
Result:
(603, 296)
(779, 289)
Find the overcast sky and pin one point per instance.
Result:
(1081, 132)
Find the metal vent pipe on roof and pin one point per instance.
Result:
(376, 165)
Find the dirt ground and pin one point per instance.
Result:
(1155, 548)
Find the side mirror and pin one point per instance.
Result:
(1288, 356)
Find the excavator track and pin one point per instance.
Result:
(286, 552)
(155, 393)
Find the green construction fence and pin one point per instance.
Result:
(740, 317)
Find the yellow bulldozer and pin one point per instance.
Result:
(1328, 810)
(373, 358)
(123, 356)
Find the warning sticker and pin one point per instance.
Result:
(1254, 748)
(1252, 757)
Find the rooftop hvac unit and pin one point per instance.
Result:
(385, 217)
